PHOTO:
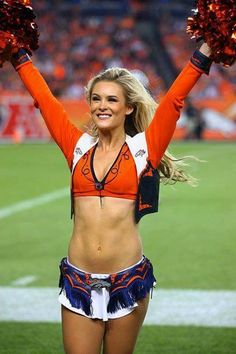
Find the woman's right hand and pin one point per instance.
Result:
(20, 58)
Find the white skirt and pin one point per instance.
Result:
(100, 299)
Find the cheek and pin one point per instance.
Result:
(92, 108)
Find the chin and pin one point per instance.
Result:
(104, 129)
(104, 125)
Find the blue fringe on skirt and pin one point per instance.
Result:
(125, 287)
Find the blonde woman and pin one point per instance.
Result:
(116, 167)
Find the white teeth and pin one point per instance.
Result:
(104, 116)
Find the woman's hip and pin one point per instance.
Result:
(105, 296)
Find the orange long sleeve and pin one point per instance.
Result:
(162, 127)
(158, 134)
(61, 129)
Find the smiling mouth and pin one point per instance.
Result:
(104, 116)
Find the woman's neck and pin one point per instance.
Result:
(109, 141)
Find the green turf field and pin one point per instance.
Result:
(191, 242)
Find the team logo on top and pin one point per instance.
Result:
(140, 153)
(78, 151)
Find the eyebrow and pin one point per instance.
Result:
(109, 96)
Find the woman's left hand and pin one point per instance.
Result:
(205, 49)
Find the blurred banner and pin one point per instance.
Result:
(20, 121)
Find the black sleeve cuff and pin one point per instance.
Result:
(21, 57)
(201, 61)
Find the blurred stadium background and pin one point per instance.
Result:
(191, 241)
(80, 38)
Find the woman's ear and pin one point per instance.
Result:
(129, 110)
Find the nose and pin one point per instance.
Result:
(103, 105)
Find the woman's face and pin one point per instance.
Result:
(107, 105)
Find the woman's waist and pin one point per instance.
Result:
(104, 254)
(107, 274)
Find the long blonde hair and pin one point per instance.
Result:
(137, 97)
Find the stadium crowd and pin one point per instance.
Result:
(176, 41)
(73, 47)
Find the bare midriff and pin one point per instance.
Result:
(105, 237)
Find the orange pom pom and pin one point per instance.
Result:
(17, 28)
(214, 21)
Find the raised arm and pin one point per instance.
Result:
(162, 127)
(61, 129)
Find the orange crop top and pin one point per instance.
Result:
(121, 180)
